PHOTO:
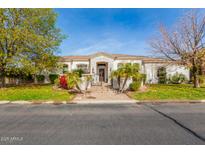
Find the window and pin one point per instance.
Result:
(65, 68)
(119, 65)
(83, 67)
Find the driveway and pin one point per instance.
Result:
(102, 93)
(102, 124)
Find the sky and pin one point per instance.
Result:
(123, 31)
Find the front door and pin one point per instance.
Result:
(102, 75)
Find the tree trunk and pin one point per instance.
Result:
(3, 79)
(123, 86)
(196, 81)
(3, 75)
(195, 75)
(87, 83)
(118, 82)
(142, 83)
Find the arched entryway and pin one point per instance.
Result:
(102, 71)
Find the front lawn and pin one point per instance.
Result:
(171, 92)
(37, 92)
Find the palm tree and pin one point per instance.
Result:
(125, 71)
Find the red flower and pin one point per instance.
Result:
(63, 82)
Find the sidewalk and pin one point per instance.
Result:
(102, 94)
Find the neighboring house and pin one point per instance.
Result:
(101, 64)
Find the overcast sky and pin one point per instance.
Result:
(112, 30)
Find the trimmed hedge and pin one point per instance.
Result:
(53, 77)
(177, 78)
(134, 86)
(40, 78)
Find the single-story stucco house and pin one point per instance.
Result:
(101, 64)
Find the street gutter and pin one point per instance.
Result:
(103, 102)
(168, 101)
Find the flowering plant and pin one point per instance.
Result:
(63, 81)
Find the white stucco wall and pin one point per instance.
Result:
(151, 71)
(116, 86)
(75, 63)
(116, 62)
(172, 69)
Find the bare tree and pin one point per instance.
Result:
(184, 43)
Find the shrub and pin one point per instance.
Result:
(69, 80)
(27, 78)
(134, 86)
(143, 77)
(201, 79)
(53, 77)
(40, 78)
(178, 78)
(79, 72)
(161, 74)
(73, 80)
(139, 77)
(63, 82)
(57, 82)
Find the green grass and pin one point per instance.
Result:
(171, 92)
(37, 92)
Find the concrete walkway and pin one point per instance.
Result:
(102, 94)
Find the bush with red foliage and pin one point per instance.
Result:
(63, 82)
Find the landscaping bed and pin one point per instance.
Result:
(34, 92)
(170, 92)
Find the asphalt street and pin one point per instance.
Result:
(103, 124)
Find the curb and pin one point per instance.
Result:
(70, 102)
(169, 101)
(35, 102)
(106, 102)
(103, 102)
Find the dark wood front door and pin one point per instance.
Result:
(102, 75)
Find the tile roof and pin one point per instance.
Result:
(70, 58)
(114, 56)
